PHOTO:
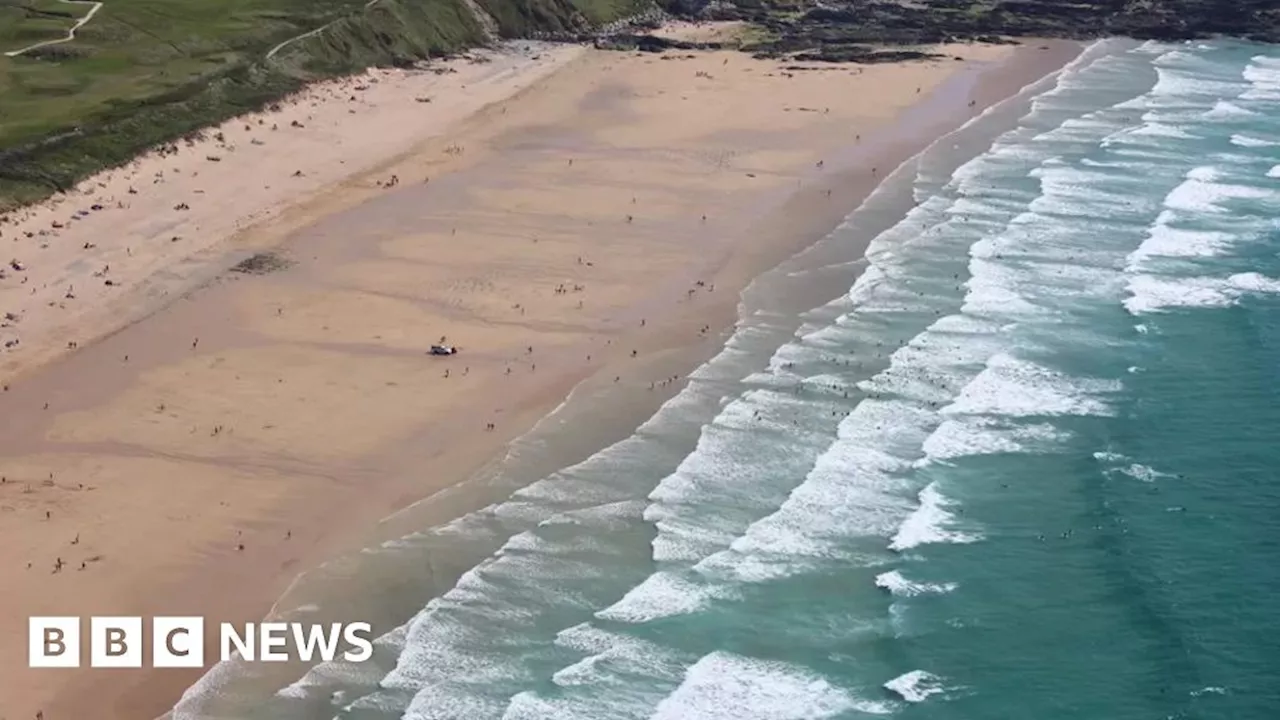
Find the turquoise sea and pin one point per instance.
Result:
(1026, 466)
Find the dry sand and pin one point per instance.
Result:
(704, 32)
(580, 206)
(119, 244)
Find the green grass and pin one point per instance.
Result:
(143, 72)
(517, 18)
(27, 22)
(134, 49)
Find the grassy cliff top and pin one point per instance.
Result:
(142, 72)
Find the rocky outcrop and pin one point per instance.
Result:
(651, 43)
(841, 30)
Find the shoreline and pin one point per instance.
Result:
(349, 505)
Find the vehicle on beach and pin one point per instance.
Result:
(443, 350)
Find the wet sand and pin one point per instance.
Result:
(196, 460)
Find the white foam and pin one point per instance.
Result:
(217, 679)
(871, 278)
(445, 700)
(723, 686)
(1263, 75)
(913, 381)
(1254, 282)
(1252, 142)
(1018, 388)
(440, 644)
(1202, 192)
(852, 491)
(1145, 473)
(1173, 242)
(1274, 172)
(624, 653)
(611, 653)
(916, 686)
(1209, 690)
(614, 663)
(1224, 109)
(728, 472)
(1161, 293)
(896, 584)
(992, 292)
(322, 677)
(856, 487)
(965, 437)
(849, 492)
(1182, 85)
(930, 523)
(660, 595)
(1151, 293)
(1161, 130)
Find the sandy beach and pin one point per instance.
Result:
(183, 440)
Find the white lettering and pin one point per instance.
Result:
(273, 635)
(115, 642)
(243, 643)
(364, 644)
(178, 642)
(317, 637)
(53, 642)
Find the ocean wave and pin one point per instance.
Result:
(1145, 473)
(732, 687)
(1161, 130)
(852, 491)
(1012, 387)
(930, 523)
(916, 686)
(1126, 466)
(660, 595)
(1187, 79)
(1263, 75)
(1252, 142)
(1165, 240)
(730, 472)
(1202, 192)
(896, 584)
(1161, 293)
(1223, 110)
(608, 653)
(1209, 690)
(968, 437)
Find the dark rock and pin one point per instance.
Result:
(843, 30)
(261, 264)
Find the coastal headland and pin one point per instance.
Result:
(220, 371)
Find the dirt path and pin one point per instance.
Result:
(486, 21)
(272, 52)
(71, 34)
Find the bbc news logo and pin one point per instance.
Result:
(178, 642)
